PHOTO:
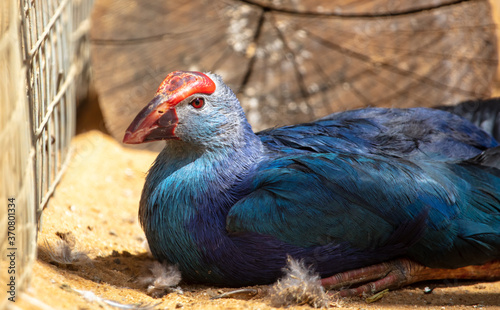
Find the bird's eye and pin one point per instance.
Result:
(198, 103)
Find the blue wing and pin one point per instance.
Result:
(417, 133)
(311, 200)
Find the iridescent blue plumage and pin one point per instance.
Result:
(350, 190)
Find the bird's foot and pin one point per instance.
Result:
(401, 272)
(386, 275)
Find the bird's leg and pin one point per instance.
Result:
(401, 272)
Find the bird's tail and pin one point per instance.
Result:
(488, 158)
(483, 113)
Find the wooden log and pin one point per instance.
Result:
(294, 61)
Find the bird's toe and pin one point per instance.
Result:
(376, 278)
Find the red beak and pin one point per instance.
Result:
(157, 121)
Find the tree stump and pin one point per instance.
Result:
(294, 61)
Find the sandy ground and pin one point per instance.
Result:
(95, 207)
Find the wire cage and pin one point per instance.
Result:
(44, 69)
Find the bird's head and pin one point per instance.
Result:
(194, 107)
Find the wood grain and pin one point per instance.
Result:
(294, 61)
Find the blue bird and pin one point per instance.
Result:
(391, 196)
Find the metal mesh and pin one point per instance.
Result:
(46, 38)
(44, 48)
(16, 157)
(54, 36)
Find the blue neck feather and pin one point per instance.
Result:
(187, 195)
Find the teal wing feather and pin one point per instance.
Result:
(316, 199)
